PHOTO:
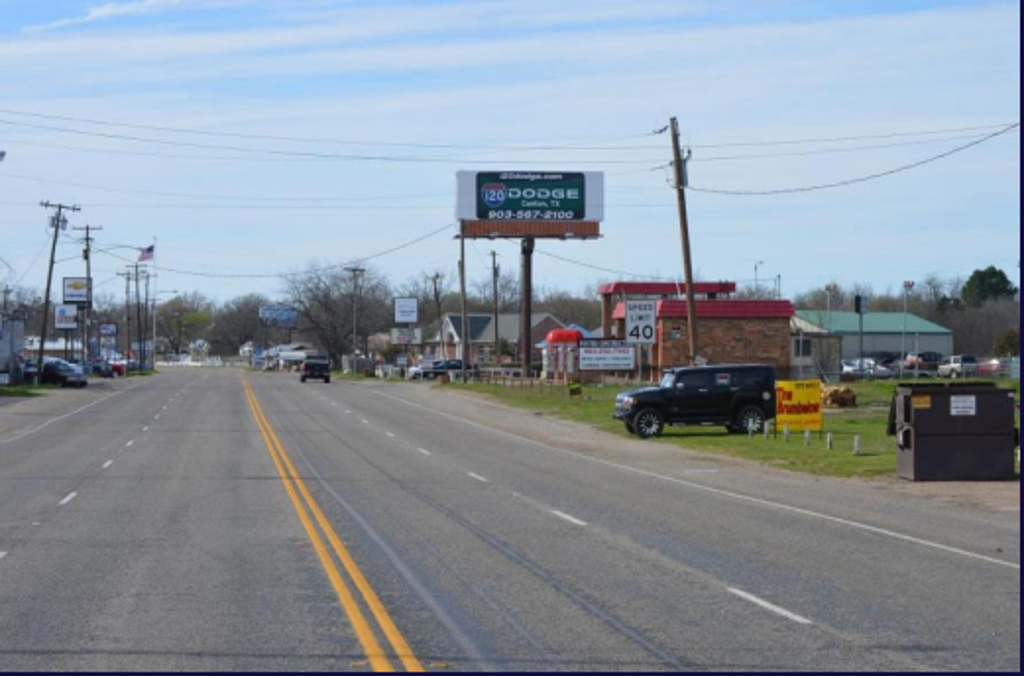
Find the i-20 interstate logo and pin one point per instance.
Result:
(493, 194)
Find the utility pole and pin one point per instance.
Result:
(58, 222)
(464, 342)
(138, 317)
(437, 306)
(127, 317)
(7, 294)
(679, 168)
(142, 327)
(355, 272)
(494, 284)
(87, 255)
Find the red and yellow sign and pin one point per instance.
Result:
(798, 405)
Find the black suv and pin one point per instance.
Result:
(316, 367)
(741, 397)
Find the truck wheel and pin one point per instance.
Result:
(648, 423)
(327, 380)
(749, 419)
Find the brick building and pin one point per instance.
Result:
(729, 331)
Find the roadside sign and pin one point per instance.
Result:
(65, 317)
(607, 355)
(107, 330)
(405, 336)
(798, 405)
(406, 311)
(640, 322)
(76, 290)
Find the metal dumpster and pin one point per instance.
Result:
(956, 432)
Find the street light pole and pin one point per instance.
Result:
(907, 286)
(757, 285)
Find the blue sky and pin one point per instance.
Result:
(597, 75)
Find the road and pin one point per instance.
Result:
(217, 520)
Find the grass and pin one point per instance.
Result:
(23, 390)
(868, 421)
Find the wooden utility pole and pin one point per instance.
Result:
(127, 317)
(494, 285)
(679, 169)
(464, 342)
(526, 308)
(355, 272)
(58, 223)
(87, 322)
(440, 327)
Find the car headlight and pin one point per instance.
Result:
(628, 402)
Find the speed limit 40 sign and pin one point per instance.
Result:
(640, 322)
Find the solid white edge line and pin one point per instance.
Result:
(107, 464)
(478, 477)
(66, 415)
(67, 498)
(571, 519)
(718, 491)
(423, 451)
(747, 596)
(390, 434)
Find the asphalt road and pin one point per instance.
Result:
(197, 523)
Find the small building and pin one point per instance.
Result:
(728, 331)
(816, 352)
(484, 337)
(883, 333)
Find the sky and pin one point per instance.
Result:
(249, 139)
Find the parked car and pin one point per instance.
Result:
(866, 368)
(119, 367)
(741, 397)
(451, 367)
(958, 366)
(62, 374)
(993, 368)
(317, 368)
(417, 371)
(924, 361)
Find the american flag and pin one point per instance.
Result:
(147, 253)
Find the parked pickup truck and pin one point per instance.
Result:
(958, 366)
(740, 397)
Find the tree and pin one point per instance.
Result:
(237, 323)
(183, 319)
(1007, 343)
(988, 284)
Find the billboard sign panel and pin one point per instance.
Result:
(280, 316)
(406, 311)
(530, 196)
(607, 355)
(108, 330)
(76, 290)
(640, 322)
(798, 405)
(406, 336)
(65, 317)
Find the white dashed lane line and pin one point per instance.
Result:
(477, 477)
(571, 519)
(390, 434)
(130, 444)
(747, 596)
(3, 554)
(423, 451)
(146, 428)
(365, 421)
(67, 498)
(107, 464)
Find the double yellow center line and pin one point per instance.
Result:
(306, 505)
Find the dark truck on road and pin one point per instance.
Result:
(741, 397)
(317, 367)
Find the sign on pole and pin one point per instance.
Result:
(641, 322)
(280, 316)
(607, 355)
(406, 336)
(798, 405)
(76, 290)
(65, 317)
(108, 330)
(406, 311)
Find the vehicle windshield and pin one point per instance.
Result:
(668, 380)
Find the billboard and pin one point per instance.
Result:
(405, 336)
(76, 290)
(280, 316)
(530, 203)
(406, 311)
(607, 355)
(65, 317)
(108, 330)
(798, 405)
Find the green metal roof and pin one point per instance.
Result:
(874, 322)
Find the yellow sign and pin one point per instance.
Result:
(798, 405)
(922, 401)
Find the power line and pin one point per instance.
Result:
(844, 139)
(399, 159)
(860, 179)
(278, 275)
(577, 145)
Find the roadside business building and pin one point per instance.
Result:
(883, 333)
